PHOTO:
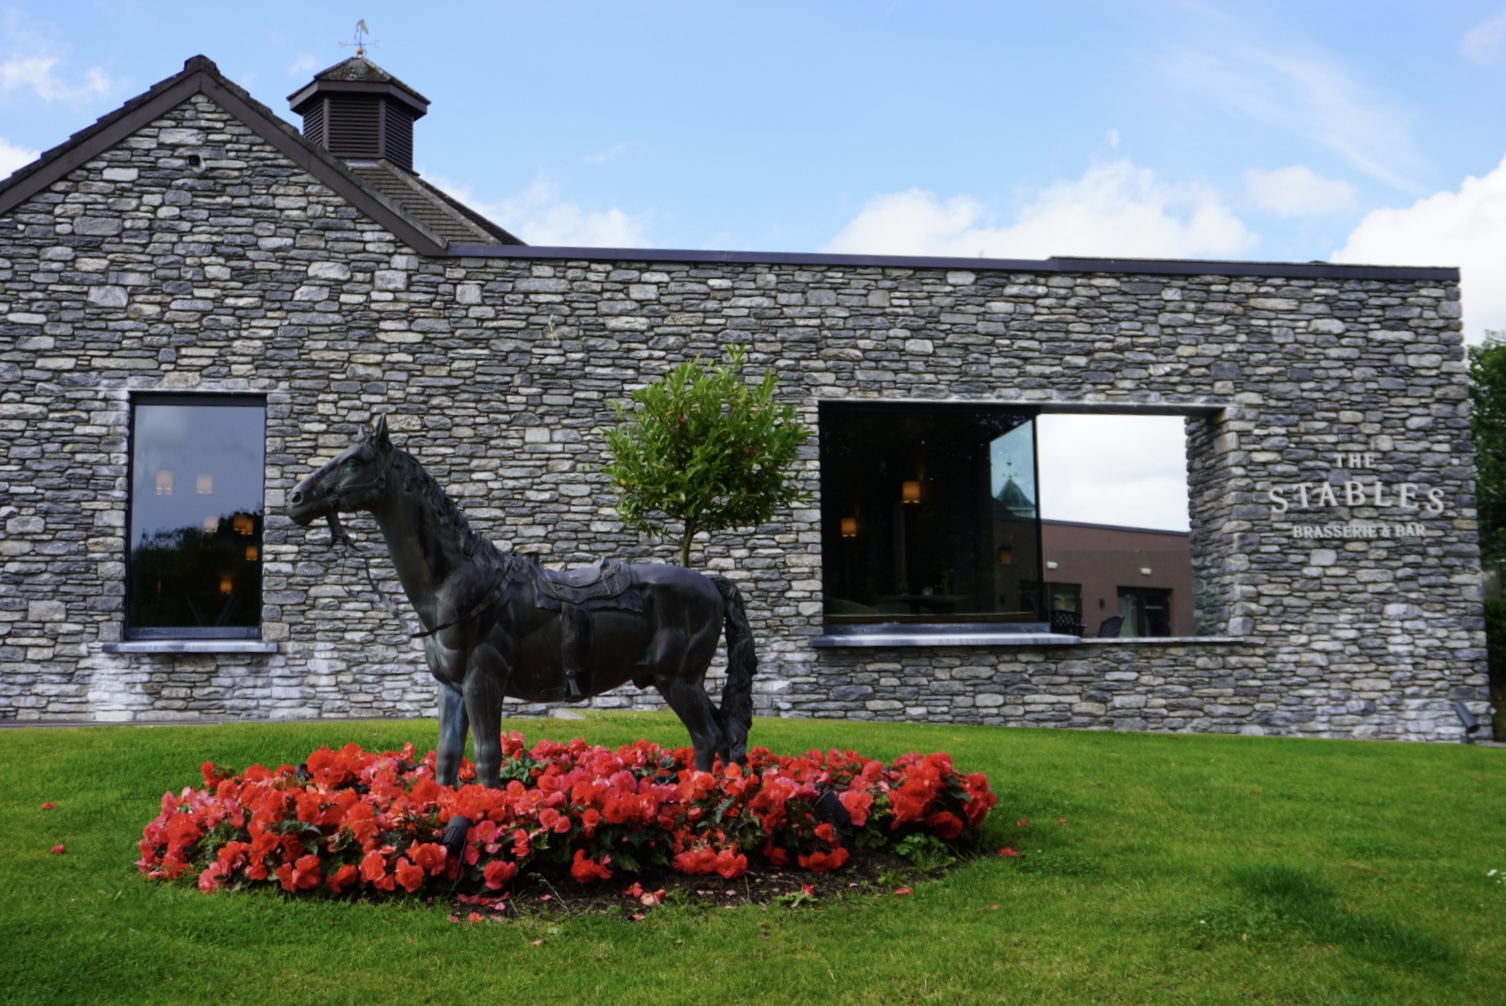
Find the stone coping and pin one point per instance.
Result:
(997, 639)
(934, 638)
(1171, 640)
(251, 646)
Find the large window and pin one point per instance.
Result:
(195, 527)
(928, 513)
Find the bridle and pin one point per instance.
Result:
(379, 483)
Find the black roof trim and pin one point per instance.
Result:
(104, 133)
(321, 165)
(200, 75)
(301, 98)
(1061, 264)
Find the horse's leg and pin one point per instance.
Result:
(483, 703)
(723, 732)
(691, 703)
(453, 723)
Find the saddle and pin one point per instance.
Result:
(603, 580)
(577, 594)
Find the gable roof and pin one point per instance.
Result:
(417, 213)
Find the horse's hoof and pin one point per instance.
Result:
(828, 805)
(454, 836)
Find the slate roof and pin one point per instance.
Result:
(418, 213)
(450, 219)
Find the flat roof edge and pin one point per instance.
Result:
(1127, 266)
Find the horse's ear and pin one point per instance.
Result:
(379, 432)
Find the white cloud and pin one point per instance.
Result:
(1125, 470)
(30, 67)
(37, 75)
(1115, 209)
(13, 158)
(1483, 42)
(1465, 228)
(1296, 191)
(540, 217)
(303, 65)
(608, 155)
(1308, 93)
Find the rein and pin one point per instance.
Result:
(505, 578)
(339, 536)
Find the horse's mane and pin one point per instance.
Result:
(416, 478)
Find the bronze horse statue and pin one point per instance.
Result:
(496, 624)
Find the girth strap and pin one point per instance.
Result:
(505, 576)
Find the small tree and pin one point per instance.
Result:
(704, 449)
(1487, 399)
(1487, 417)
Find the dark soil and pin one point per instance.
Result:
(876, 873)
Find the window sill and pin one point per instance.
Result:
(908, 634)
(893, 636)
(1169, 640)
(250, 646)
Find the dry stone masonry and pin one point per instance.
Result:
(193, 254)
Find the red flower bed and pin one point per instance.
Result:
(350, 821)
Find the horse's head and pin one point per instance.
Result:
(354, 480)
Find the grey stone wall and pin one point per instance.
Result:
(141, 271)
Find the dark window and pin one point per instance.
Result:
(1146, 611)
(195, 525)
(928, 513)
(1065, 596)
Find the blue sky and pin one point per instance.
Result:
(1348, 131)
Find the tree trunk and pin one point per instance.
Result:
(685, 539)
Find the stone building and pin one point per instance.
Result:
(198, 302)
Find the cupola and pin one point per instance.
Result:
(360, 112)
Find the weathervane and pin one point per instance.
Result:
(360, 42)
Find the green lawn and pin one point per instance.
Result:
(1188, 870)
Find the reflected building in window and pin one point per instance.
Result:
(1121, 581)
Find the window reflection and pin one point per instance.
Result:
(195, 555)
(929, 513)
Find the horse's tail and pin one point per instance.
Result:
(742, 664)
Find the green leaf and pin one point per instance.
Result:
(703, 449)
